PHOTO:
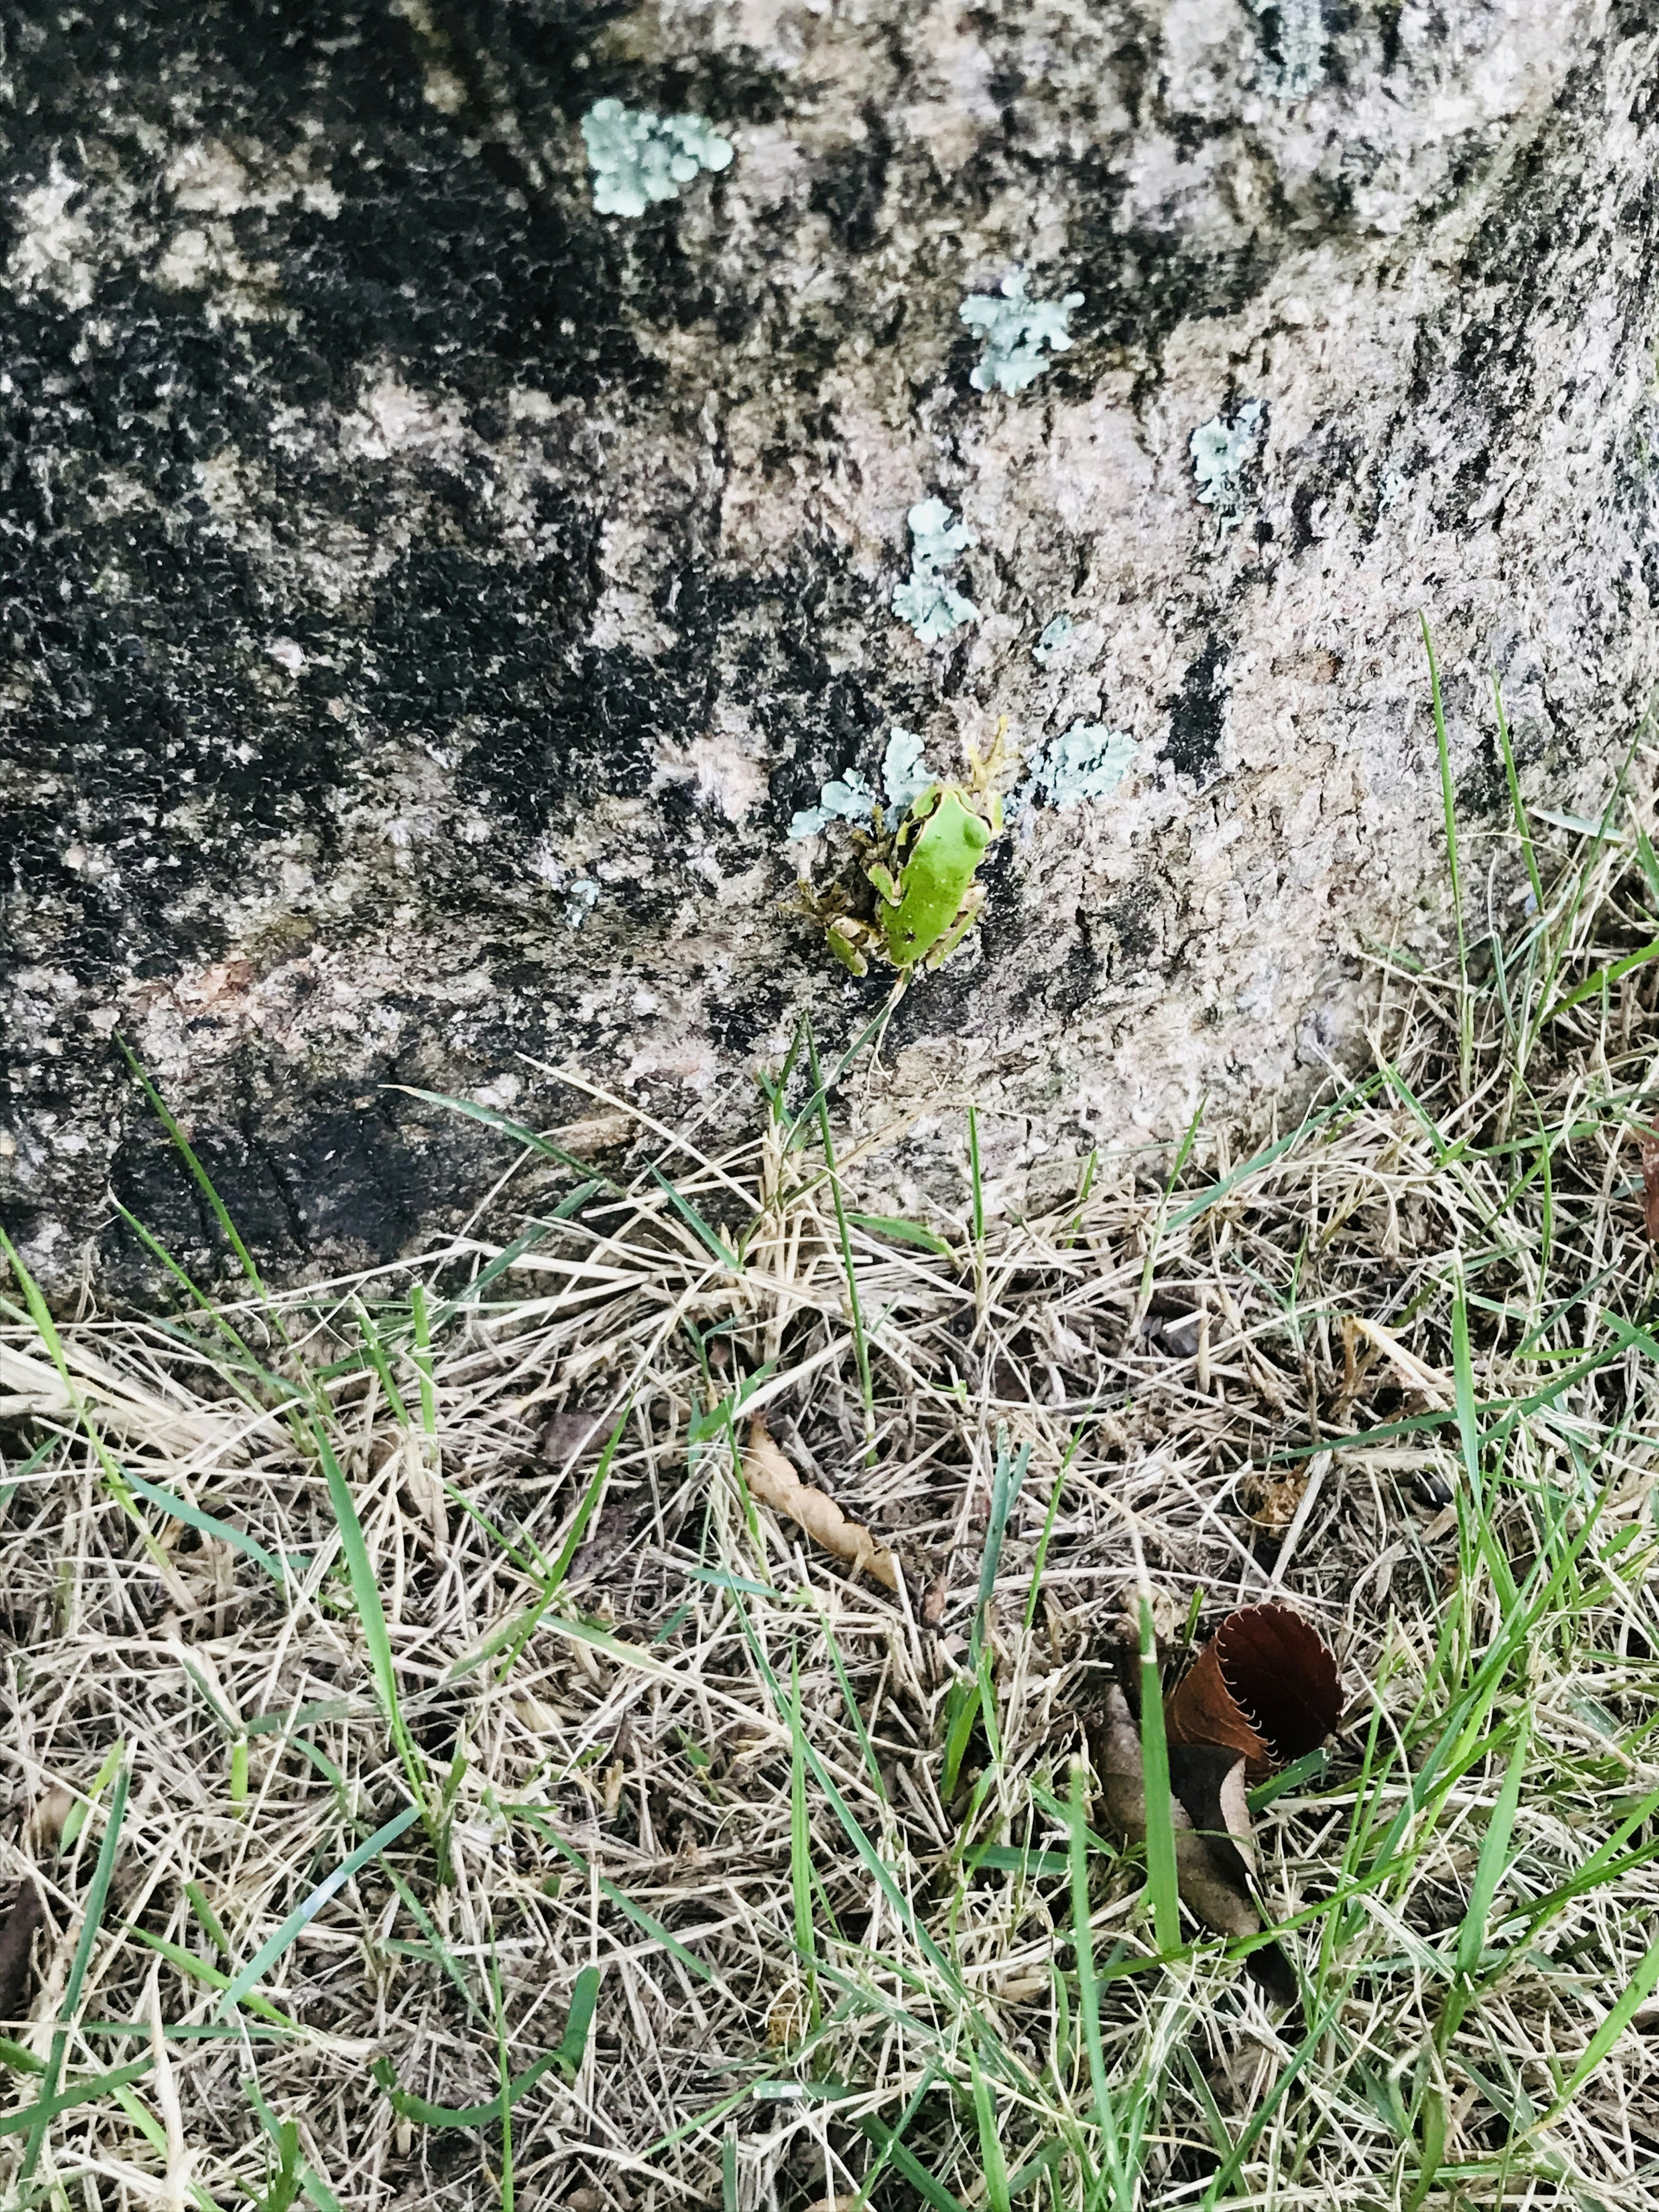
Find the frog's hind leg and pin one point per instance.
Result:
(968, 914)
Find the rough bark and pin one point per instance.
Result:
(392, 541)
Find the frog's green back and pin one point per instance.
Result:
(938, 869)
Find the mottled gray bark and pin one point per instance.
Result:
(394, 543)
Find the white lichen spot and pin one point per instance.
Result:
(1088, 761)
(580, 901)
(1297, 63)
(1015, 330)
(638, 158)
(848, 799)
(1049, 645)
(287, 654)
(1221, 451)
(930, 606)
(905, 776)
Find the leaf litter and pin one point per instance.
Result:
(686, 1905)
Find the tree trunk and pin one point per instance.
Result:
(431, 599)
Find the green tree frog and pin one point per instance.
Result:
(921, 873)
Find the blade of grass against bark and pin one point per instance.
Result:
(204, 1182)
(1155, 1241)
(242, 1359)
(1449, 807)
(902, 1231)
(505, 1127)
(371, 1616)
(92, 1914)
(306, 1911)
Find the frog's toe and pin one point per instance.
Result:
(847, 952)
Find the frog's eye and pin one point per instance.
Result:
(975, 833)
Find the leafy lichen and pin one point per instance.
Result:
(1087, 761)
(848, 799)
(905, 778)
(930, 606)
(1052, 642)
(638, 158)
(1015, 330)
(1221, 451)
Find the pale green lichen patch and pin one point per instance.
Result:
(905, 776)
(1015, 330)
(579, 900)
(638, 158)
(1053, 640)
(1221, 452)
(848, 799)
(1088, 761)
(930, 606)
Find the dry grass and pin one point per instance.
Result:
(1394, 1367)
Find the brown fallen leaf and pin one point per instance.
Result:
(1266, 1685)
(1650, 1183)
(18, 1933)
(1215, 1859)
(775, 1483)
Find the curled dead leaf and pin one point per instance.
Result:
(1209, 1886)
(1265, 1687)
(25, 1916)
(1650, 1183)
(775, 1483)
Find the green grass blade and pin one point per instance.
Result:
(371, 1614)
(203, 1181)
(579, 2021)
(710, 1237)
(38, 2116)
(992, 2165)
(305, 1912)
(902, 1231)
(92, 1916)
(205, 1525)
(1161, 1879)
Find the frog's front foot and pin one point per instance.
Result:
(843, 936)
